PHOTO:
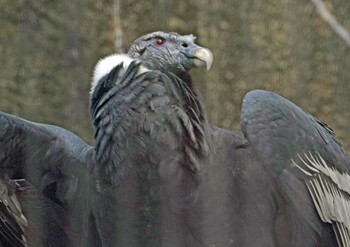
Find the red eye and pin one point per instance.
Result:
(159, 41)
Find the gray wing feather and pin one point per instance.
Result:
(56, 162)
(330, 191)
(12, 220)
(291, 141)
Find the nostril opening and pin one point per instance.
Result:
(184, 45)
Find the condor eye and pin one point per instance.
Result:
(159, 41)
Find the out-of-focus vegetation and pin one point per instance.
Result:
(48, 50)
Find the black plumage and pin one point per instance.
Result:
(161, 175)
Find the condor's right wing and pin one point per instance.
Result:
(55, 162)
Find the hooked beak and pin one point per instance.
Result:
(200, 57)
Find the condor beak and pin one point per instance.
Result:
(200, 57)
(203, 58)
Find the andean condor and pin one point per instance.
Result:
(161, 176)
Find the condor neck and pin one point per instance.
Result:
(186, 77)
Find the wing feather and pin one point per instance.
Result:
(330, 193)
(56, 162)
(289, 139)
(12, 220)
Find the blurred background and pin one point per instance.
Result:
(48, 50)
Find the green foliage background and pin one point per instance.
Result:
(48, 50)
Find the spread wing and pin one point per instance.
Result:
(57, 164)
(309, 166)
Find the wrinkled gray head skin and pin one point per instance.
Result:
(171, 52)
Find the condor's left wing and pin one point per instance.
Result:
(309, 166)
